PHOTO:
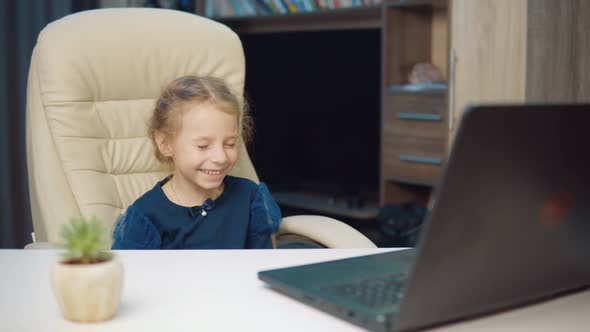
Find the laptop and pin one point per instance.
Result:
(510, 225)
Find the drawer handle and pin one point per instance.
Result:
(419, 117)
(420, 160)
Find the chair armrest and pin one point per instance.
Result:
(42, 245)
(327, 231)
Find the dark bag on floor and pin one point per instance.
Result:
(400, 225)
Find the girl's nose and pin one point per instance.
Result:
(218, 155)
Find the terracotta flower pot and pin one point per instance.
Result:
(88, 292)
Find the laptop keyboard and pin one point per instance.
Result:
(382, 291)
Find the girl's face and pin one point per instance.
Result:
(205, 148)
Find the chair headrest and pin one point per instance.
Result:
(132, 53)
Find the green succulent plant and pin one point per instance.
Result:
(86, 241)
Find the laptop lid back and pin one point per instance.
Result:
(510, 222)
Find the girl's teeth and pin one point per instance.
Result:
(211, 172)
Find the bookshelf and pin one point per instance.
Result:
(259, 16)
(327, 19)
(250, 8)
(413, 117)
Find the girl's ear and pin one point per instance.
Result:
(164, 144)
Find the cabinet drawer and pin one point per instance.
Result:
(412, 159)
(415, 115)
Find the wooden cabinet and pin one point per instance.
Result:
(489, 51)
(414, 123)
(488, 47)
(413, 138)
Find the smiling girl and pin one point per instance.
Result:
(197, 127)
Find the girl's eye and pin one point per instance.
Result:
(230, 145)
(202, 146)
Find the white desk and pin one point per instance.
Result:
(220, 291)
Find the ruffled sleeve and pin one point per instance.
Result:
(265, 219)
(134, 230)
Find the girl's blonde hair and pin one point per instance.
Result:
(167, 116)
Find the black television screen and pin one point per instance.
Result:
(315, 99)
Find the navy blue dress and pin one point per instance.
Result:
(244, 216)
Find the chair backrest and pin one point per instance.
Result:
(93, 82)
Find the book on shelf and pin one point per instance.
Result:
(243, 8)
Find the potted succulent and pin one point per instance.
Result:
(87, 282)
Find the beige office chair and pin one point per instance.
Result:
(93, 82)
